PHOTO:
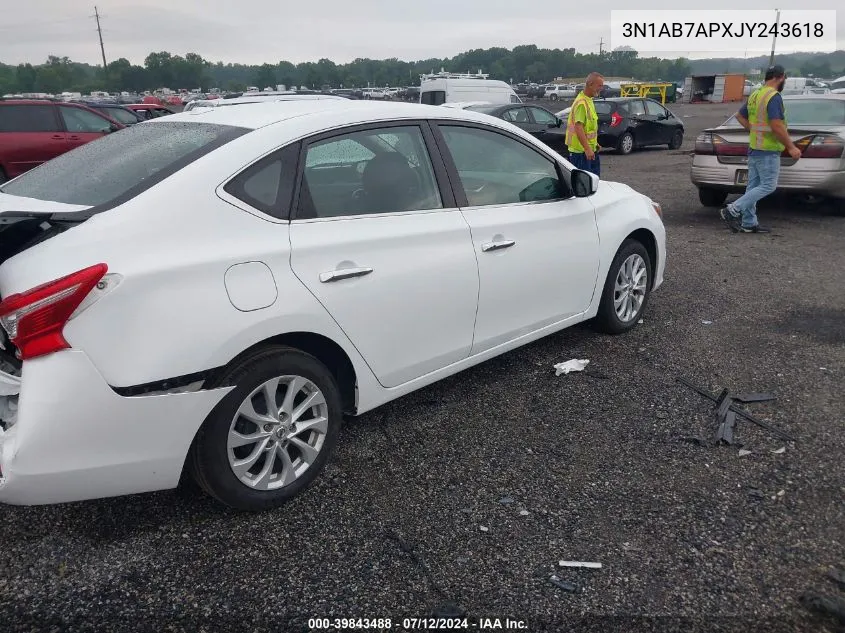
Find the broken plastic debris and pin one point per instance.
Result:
(571, 365)
(575, 563)
(707, 322)
(743, 452)
(640, 321)
(566, 586)
(484, 528)
(780, 451)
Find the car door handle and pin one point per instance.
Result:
(58, 137)
(73, 137)
(495, 246)
(344, 273)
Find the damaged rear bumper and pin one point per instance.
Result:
(75, 438)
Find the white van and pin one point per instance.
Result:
(440, 89)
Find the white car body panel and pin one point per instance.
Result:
(205, 277)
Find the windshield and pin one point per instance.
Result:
(119, 164)
(808, 112)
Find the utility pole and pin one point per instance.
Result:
(100, 33)
(775, 39)
(601, 47)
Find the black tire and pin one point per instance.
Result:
(208, 459)
(712, 197)
(622, 146)
(607, 321)
(677, 140)
(554, 97)
(2, 176)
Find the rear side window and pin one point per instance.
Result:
(268, 184)
(121, 165)
(433, 97)
(603, 107)
(28, 118)
(120, 115)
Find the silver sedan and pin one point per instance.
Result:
(816, 126)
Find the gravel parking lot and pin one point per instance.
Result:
(598, 466)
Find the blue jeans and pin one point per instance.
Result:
(579, 159)
(763, 170)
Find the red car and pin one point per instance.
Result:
(150, 110)
(33, 131)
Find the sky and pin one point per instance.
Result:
(258, 31)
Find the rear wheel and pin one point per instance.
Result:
(553, 97)
(677, 140)
(625, 144)
(711, 197)
(272, 434)
(626, 289)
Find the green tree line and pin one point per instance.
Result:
(523, 63)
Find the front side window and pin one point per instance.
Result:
(83, 121)
(496, 169)
(386, 170)
(655, 109)
(433, 97)
(120, 164)
(27, 118)
(543, 117)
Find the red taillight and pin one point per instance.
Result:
(615, 119)
(34, 319)
(704, 144)
(821, 146)
(726, 148)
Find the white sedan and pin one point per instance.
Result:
(208, 293)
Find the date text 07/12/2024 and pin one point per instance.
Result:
(416, 624)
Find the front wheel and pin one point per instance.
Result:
(626, 289)
(554, 97)
(267, 440)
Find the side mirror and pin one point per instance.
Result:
(584, 184)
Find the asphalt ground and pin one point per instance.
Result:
(615, 465)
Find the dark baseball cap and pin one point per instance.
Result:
(775, 71)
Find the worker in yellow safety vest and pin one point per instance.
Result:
(764, 116)
(582, 127)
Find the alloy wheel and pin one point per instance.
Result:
(630, 289)
(277, 432)
(627, 143)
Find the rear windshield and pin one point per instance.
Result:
(483, 109)
(122, 164)
(808, 112)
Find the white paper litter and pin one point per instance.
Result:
(571, 365)
(743, 452)
(707, 322)
(484, 528)
(780, 451)
(575, 563)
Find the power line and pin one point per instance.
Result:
(96, 16)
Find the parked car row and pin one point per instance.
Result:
(33, 131)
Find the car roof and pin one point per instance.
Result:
(329, 112)
(27, 101)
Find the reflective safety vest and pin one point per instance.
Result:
(591, 126)
(762, 136)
